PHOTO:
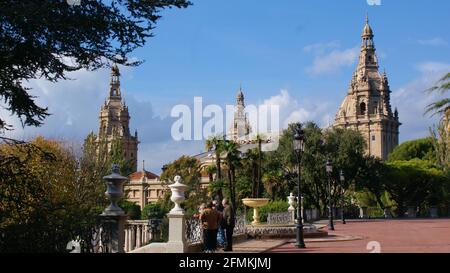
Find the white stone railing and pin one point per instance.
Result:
(137, 234)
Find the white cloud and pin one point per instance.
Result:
(320, 48)
(433, 42)
(73, 105)
(333, 61)
(412, 99)
(292, 110)
(433, 67)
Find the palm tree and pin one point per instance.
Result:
(251, 165)
(259, 139)
(441, 107)
(210, 170)
(273, 183)
(441, 135)
(232, 159)
(215, 143)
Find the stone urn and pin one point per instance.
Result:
(291, 201)
(255, 203)
(114, 192)
(363, 213)
(177, 197)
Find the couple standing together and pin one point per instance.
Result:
(217, 218)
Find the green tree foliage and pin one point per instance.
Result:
(441, 145)
(116, 156)
(233, 161)
(189, 169)
(344, 147)
(186, 167)
(414, 183)
(441, 107)
(132, 210)
(215, 144)
(154, 211)
(370, 179)
(441, 133)
(47, 39)
(274, 184)
(45, 198)
(420, 148)
(250, 169)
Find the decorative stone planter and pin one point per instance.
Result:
(177, 197)
(255, 203)
(291, 201)
(363, 213)
(114, 192)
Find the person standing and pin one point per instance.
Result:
(210, 221)
(220, 231)
(228, 224)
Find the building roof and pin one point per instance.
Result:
(367, 29)
(141, 174)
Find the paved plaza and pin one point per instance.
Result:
(385, 236)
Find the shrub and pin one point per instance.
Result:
(131, 209)
(153, 210)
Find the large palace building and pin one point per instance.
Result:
(367, 108)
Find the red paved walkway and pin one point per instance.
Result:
(394, 236)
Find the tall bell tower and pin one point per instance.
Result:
(114, 120)
(367, 107)
(241, 126)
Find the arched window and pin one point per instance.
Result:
(362, 108)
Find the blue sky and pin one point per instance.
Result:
(298, 53)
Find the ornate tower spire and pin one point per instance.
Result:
(367, 108)
(368, 61)
(114, 120)
(114, 84)
(241, 126)
(240, 97)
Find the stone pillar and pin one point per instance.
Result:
(130, 238)
(145, 232)
(138, 236)
(115, 228)
(177, 224)
(113, 217)
(126, 240)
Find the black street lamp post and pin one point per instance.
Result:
(329, 169)
(342, 178)
(299, 145)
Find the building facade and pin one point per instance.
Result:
(144, 187)
(367, 108)
(114, 121)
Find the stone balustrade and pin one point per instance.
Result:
(137, 234)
